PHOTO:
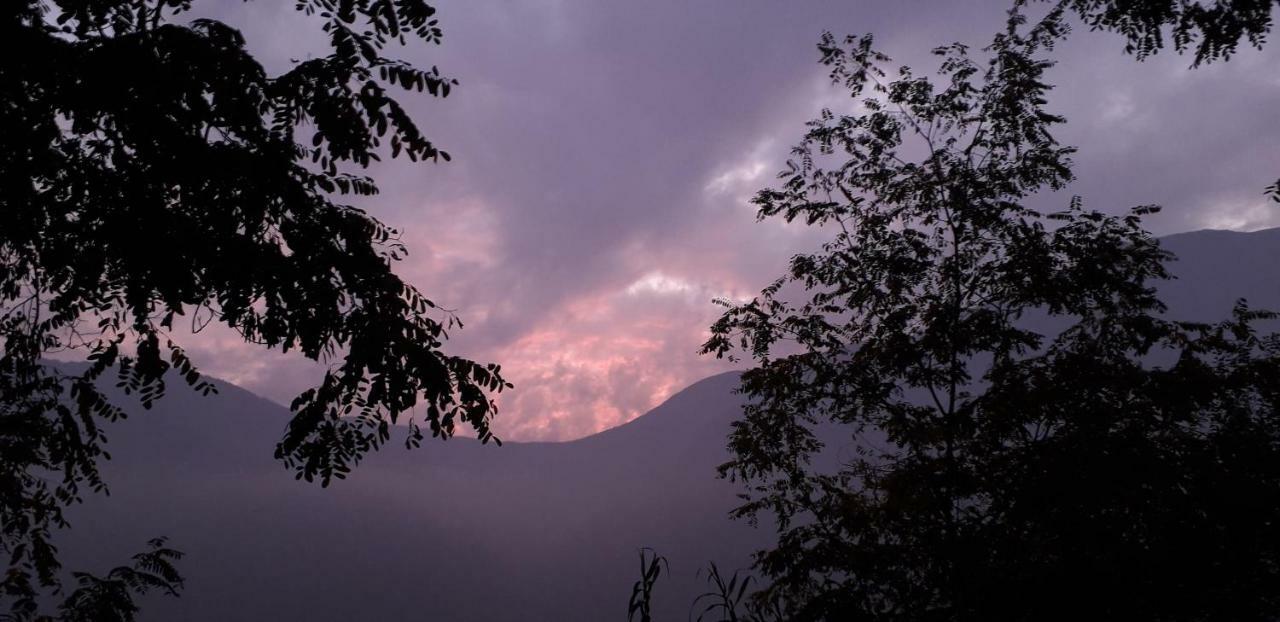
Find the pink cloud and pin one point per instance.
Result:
(597, 200)
(605, 358)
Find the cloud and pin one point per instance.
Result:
(1240, 212)
(604, 153)
(743, 174)
(613, 354)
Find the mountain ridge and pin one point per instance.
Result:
(462, 531)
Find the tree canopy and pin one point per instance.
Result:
(931, 453)
(153, 173)
(1212, 31)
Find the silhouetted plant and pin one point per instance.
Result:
(1126, 467)
(1212, 29)
(105, 599)
(640, 605)
(728, 600)
(152, 172)
(725, 598)
(731, 600)
(110, 598)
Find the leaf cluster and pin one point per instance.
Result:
(110, 598)
(154, 173)
(1211, 30)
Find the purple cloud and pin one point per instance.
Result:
(604, 152)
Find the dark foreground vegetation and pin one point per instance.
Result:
(1123, 465)
(1119, 466)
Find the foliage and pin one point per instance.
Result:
(640, 605)
(153, 172)
(110, 598)
(1125, 466)
(725, 597)
(1213, 30)
(731, 600)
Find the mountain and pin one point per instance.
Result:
(450, 531)
(461, 531)
(1214, 268)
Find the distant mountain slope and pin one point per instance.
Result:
(452, 531)
(460, 531)
(1214, 268)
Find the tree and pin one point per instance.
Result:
(927, 452)
(153, 172)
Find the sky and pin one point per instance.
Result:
(604, 154)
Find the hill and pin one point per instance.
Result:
(460, 531)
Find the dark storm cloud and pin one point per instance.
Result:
(604, 151)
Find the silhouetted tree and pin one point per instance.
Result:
(153, 172)
(1212, 30)
(929, 456)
